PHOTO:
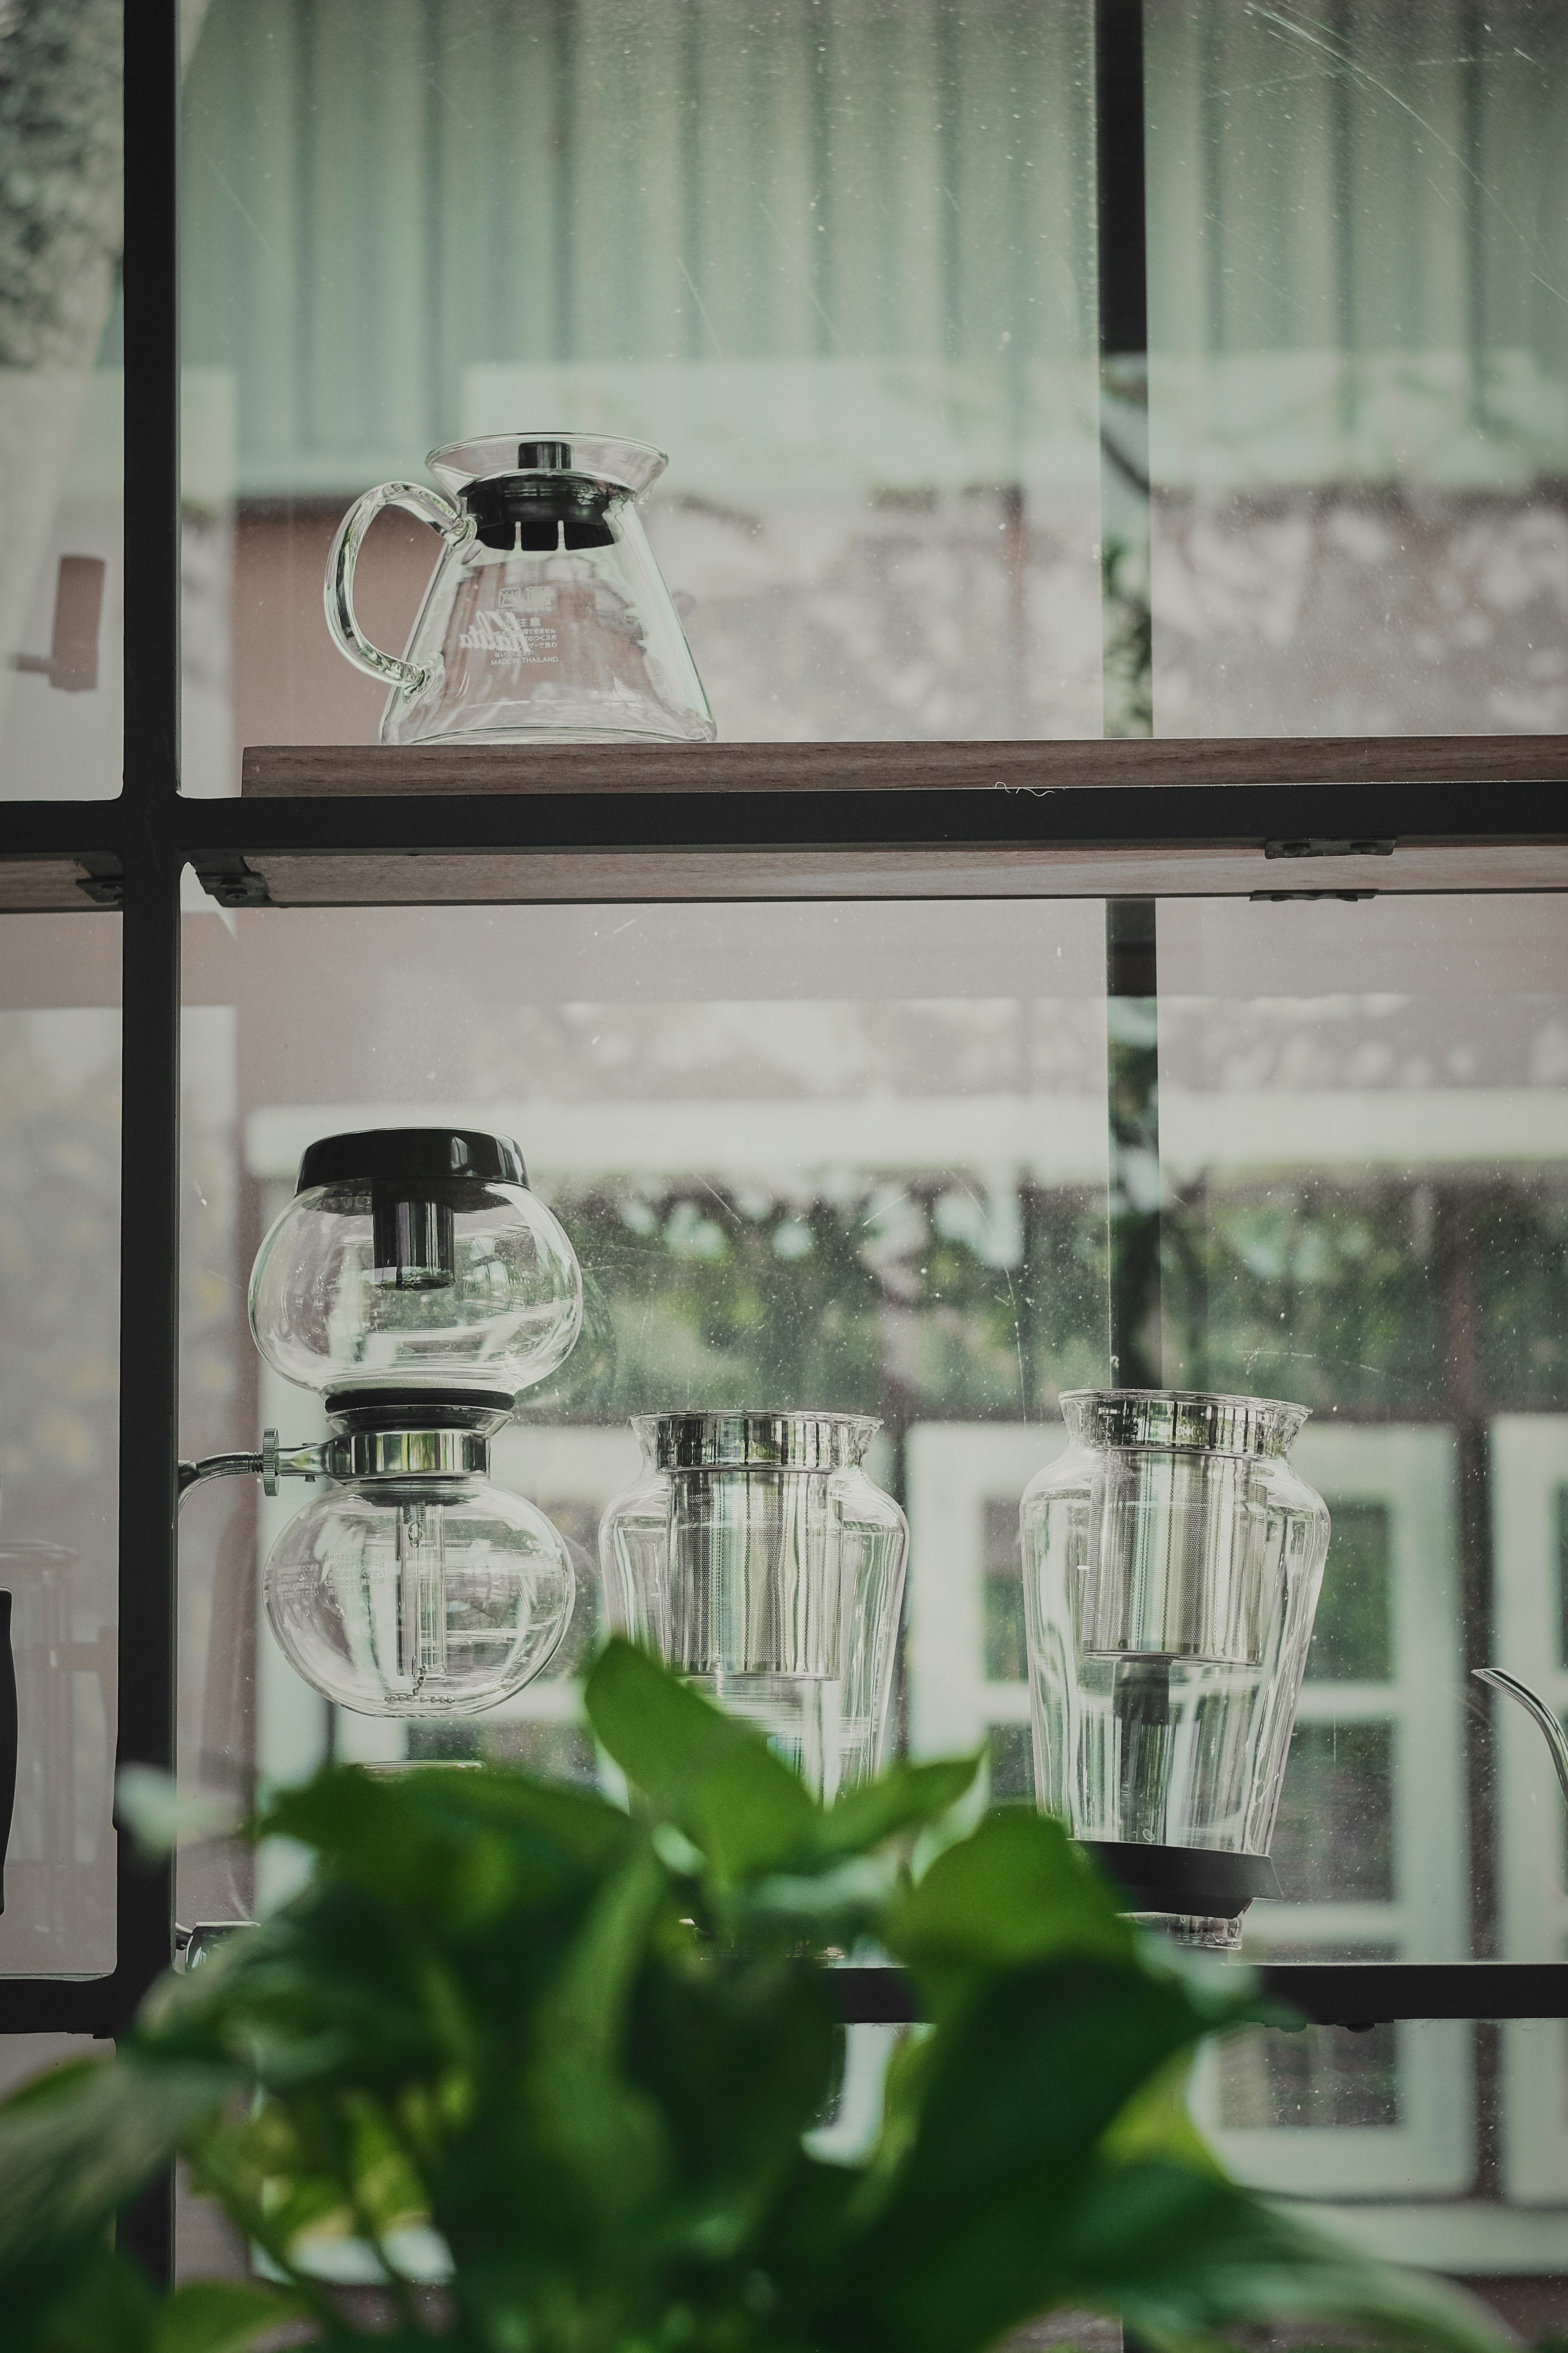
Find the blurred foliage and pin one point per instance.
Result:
(60, 209)
(1383, 1296)
(1129, 624)
(920, 1297)
(580, 2051)
(927, 1298)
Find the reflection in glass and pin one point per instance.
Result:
(1351, 1632)
(1334, 1840)
(59, 1239)
(863, 327)
(1006, 1654)
(1358, 369)
(61, 471)
(1010, 1765)
(1319, 2079)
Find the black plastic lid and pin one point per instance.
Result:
(417, 1156)
(523, 510)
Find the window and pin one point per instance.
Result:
(1026, 383)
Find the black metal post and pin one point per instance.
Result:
(1127, 642)
(149, 1295)
(1120, 179)
(1132, 1098)
(1130, 976)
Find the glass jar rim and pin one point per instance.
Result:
(1183, 1420)
(740, 1439)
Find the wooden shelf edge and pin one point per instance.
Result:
(384, 878)
(297, 770)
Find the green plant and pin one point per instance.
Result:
(587, 2047)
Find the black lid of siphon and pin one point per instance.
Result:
(411, 1155)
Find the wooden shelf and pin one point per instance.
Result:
(362, 825)
(301, 770)
(33, 886)
(379, 878)
(369, 824)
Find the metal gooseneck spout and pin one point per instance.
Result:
(273, 1463)
(1534, 1705)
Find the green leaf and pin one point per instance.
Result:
(458, 1849)
(1157, 2122)
(1011, 2099)
(1179, 2254)
(88, 2301)
(714, 1779)
(742, 2058)
(83, 2143)
(604, 2135)
(160, 1816)
(904, 1798)
(221, 2316)
(1016, 1890)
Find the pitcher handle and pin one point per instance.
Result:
(455, 527)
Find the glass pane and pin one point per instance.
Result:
(1363, 1136)
(839, 265)
(59, 1403)
(1351, 1633)
(844, 1157)
(1005, 1661)
(61, 402)
(1334, 1838)
(1358, 366)
(1324, 2078)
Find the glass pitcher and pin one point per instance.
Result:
(758, 1559)
(1171, 1564)
(547, 619)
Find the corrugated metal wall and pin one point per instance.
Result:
(1358, 263)
(1358, 224)
(385, 196)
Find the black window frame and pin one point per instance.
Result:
(1000, 798)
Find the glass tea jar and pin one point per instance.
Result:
(1171, 1564)
(756, 1558)
(546, 618)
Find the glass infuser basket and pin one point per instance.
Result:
(1171, 1564)
(546, 620)
(756, 1558)
(418, 1285)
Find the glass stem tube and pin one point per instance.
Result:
(1140, 1708)
(421, 1593)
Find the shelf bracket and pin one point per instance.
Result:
(225, 876)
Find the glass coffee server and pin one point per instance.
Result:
(1110, 944)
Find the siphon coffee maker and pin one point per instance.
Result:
(546, 620)
(1171, 1565)
(418, 1285)
(756, 1558)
